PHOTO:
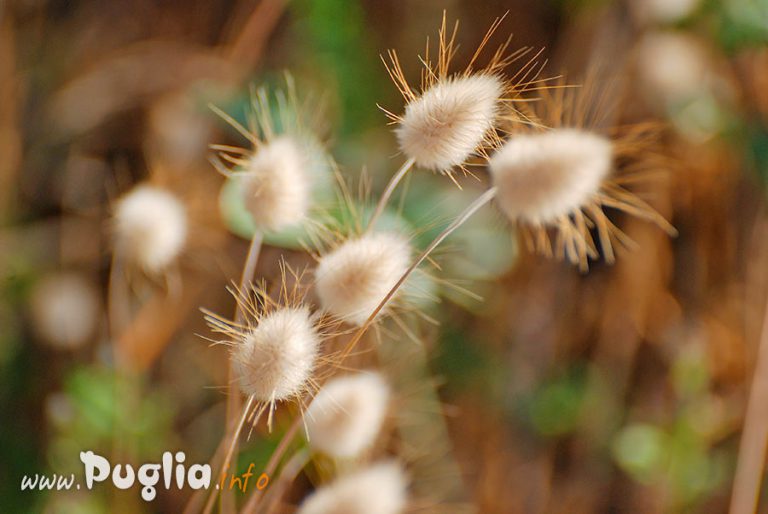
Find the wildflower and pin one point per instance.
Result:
(453, 115)
(346, 415)
(65, 310)
(276, 175)
(354, 277)
(276, 190)
(378, 489)
(275, 350)
(276, 356)
(545, 176)
(441, 128)
(150, 227)
(563, 178)
(673, 68)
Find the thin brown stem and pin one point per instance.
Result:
(248, 47)
(390, 189)
(230, 451)
(754, 439)
(274, 461)
(196, 500)
(287, 475)
(250, 507)
(233, 399)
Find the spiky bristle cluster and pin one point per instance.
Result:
(379, 489)
(346, 415)
(353, 278)
(150, 227)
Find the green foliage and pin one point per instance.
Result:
(335, 35)
(641, 450)
(100, 407)
(557, 406)
(679, 454)
(468, 366)
(741, 23)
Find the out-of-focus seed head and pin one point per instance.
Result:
(555, 184)
(150, 227)
(378, 489)
(353, 278)
(65, 310)
(345, 417)
(276, 187)
(544, 176)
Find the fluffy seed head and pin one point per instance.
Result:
(352, 279)
(65, 310)
(275, 358)
(379, 489)
(664, 11)
(150, 227)
(672, 66)
(346, 415)
(275, 184)
(542, 177)
(444, 126)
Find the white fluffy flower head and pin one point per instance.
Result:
(555, 185)
(65, 310)
(378, 489)
(543, 177)
(275, 183)
(452, 116)
(150, 227)
(346, 416)
(444, 126)
(353, 278)
(274, 359)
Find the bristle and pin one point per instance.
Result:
(150, 227)
(352, 279)
(378, 489)
(346, 415)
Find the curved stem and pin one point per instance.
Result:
(476, 205)
(273, 462)
(230, 451)
(387, 194)
(249, 269)
(195, 501)
(287, 475)
(233, 426)
(754, 439)
(459, 221)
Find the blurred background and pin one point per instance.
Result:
(621, 390)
